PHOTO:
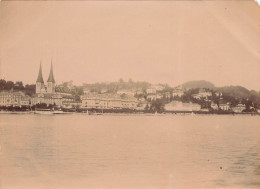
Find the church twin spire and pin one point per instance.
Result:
(40, 78)
(51, 77)
(50, 87)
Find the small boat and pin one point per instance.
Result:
(43, 111)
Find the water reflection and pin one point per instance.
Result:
(77, 151)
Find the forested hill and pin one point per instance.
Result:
(198, 84)
(115, 86)
(229, 92)
(239, 92)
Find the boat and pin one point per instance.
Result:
(43, 111)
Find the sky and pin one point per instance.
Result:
(156, 41)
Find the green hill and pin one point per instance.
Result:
(198, 84)
(236, 91)
(239, 92)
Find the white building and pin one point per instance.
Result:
(150, 90)
(71, 104)
(181, 106)
(178, 91)
(239, 108)
(154, 89)
(108, 102)
(224, 107)
(10, 98)
(202, 94)
(214, 106)
(152, 97)
(47, 99)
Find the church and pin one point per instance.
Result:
(41, 87)
(46, 93)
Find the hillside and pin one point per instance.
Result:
(198, 84)
(239, 92)
(113, 87)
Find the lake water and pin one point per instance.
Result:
(113, 151)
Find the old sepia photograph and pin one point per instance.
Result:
(130, 94)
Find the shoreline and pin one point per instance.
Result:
(136, 113)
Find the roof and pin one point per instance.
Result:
(108, 97)
(16, 93)
(39, 78)
(46, 95)
(51, 77)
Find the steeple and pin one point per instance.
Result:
(39, 78)
(51, 77)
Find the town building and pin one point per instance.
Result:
(150, 90)
(48, 99)
(182, 106)
(10, 98)
(214, 106)
(109, 101)
(239, 108)
(47, 93)
(71, 104)
(202, 94)
(224, 106)
(139, 92)
(152, 97)
(178, 91)
(154, 89)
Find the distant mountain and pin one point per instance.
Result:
(198, 84)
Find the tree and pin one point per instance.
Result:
(9, 85)
(121, 80)
(19, 85)
(2, 84)
(41, 105)
(77, 98)
(30, 89)
(146, 107)
(78, 91)
(157, 105)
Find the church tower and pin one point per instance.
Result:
(51, 82)
(39, 81)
